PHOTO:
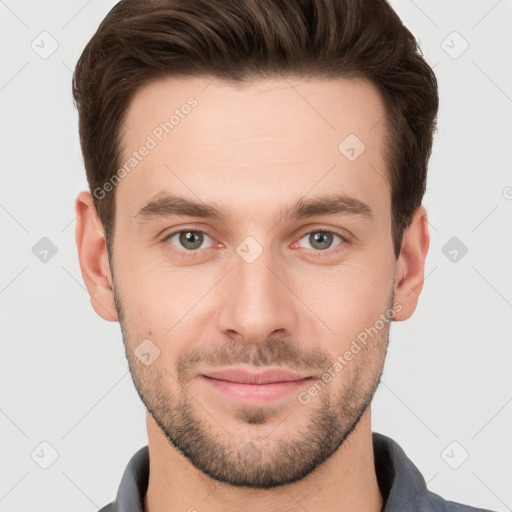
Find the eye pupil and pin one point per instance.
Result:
(323, 238)
(186, 236)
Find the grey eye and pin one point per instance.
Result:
(188, 239)
(320, 240)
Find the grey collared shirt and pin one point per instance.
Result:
(402, 486)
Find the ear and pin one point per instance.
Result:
(93, 257)
(410, 266)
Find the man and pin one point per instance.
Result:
(254, 222)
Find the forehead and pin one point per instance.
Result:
(276, 138)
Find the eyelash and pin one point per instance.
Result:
(315, 255)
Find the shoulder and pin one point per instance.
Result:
(107, 508)
(402, 484)
(442, 505)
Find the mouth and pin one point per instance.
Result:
(261, 387)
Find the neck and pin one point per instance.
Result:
(346, 481)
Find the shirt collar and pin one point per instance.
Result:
(401, 484)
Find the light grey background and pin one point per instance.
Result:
(64, 379)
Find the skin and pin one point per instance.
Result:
(253, 150)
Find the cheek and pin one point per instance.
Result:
(348, 300)
(164, 303)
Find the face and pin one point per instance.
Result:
(285, 262)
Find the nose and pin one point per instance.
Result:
(257, 299)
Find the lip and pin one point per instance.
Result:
(255, 388)
(244, 377)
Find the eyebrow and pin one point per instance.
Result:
(165, 204)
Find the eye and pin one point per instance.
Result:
(190, 240)
(321, 240)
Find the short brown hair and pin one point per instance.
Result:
(239, 40)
